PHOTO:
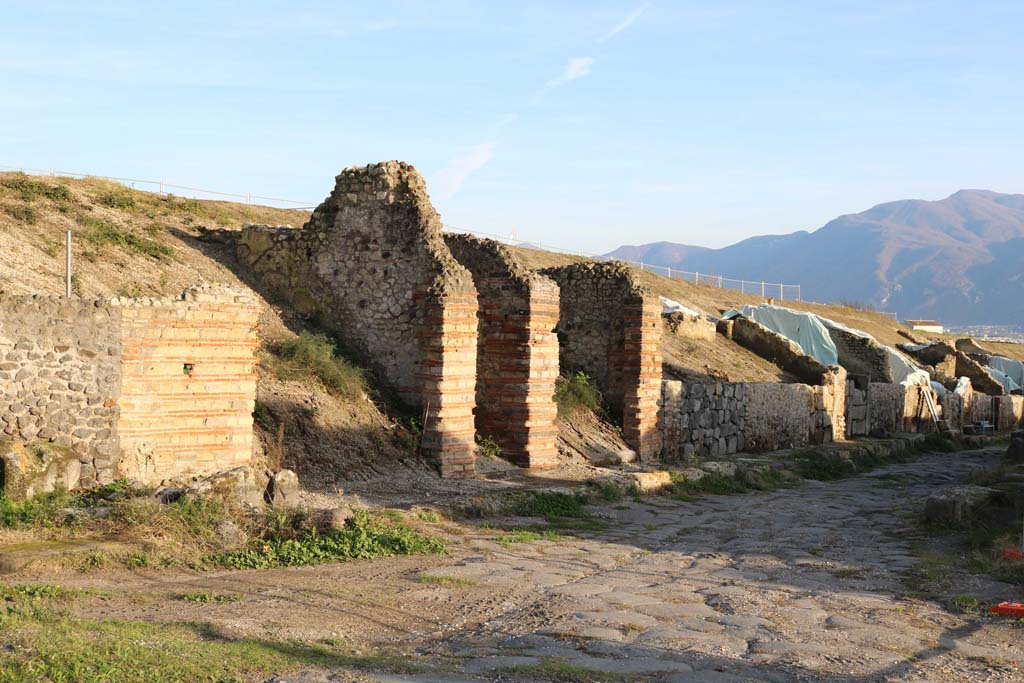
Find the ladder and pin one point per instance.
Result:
(933, 410)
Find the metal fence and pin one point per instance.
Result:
(761, 288)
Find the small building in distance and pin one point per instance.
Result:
(933, 326)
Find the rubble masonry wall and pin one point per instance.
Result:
(371, 264)
(106, 378)
(610, 328)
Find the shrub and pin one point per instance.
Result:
(315, 355)
(29, 188)
(118, 199)
(487, 446)
(575, 393)
(102, 233)
(21, 213)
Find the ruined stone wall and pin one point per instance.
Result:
(861, 356)
(610, 328)
(887, 409)
(107, 379)
(188, 384)
(517, 351)
(1007, 411)
(371, 265)
(779, 416)
(59, 377)
(857, 410)
(776, 348)
(702, 419)
(679, 324)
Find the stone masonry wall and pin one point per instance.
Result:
(720, 419)
(188, 384)
(862, 356)
(371, 265)
(702, 419)
(886, 412)
(776, 348)
(517, 351)
(60, 372)
(107, 379)
(610, 328)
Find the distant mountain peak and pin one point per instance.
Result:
(951, 259)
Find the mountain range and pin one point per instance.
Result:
(959, 260)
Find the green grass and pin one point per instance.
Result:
(442, 580)
(316, 355)
(552, 505)
(214, 598)
(362, 538)
(609, 491)
(46, 646)
(37, 591)
(710, 483)
(101, 233)
(575, 393)
(527, 536)
(968, 604)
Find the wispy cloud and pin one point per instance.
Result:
(628, 21)
(578, 67)
(457, 170)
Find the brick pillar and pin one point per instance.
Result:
(641, 376)
(447, 379)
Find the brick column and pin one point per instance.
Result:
(641, 377)
(447, 379)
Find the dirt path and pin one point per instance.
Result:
(802, 584)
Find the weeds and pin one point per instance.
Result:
(30, 189)
(609, 491)
(314, 355)
(710, 483)
(363, 538)
(552, 505)
(575, 393)
(487, 446)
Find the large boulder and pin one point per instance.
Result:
(1015, 453)
(28, 470)
(958, 504)
(283, 489)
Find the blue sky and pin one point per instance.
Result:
(586, 125)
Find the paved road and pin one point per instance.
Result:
(801, 584)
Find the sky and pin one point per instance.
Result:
(581, 125)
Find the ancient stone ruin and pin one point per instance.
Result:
(457, 325)
(148, 389)
(610, 328)
(371, 265)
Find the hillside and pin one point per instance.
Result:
(959, 259)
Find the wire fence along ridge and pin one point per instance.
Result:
(777, 290)
(765, 289)
(163, 186)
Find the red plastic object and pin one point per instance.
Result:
(1009, 609)
(1013, 554)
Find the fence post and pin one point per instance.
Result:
(762, 289)
(67, 265)
(670, 272)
